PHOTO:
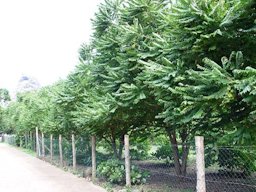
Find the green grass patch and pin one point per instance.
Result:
(28, 151)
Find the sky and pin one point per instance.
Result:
(41, 38)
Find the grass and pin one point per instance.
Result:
(28, 151)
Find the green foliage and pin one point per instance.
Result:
(198, 29)
(1, 119)
(140, 151)
(164, 152)
(114, 172)
(4, 96)
(138, 154)
(138, 176)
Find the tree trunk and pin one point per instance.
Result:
(185, 151)
(175, 151)
(114, 147)
(113, 143)
(184, 159)
(180, 161)
(121, 146)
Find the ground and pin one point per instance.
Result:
(21, 172)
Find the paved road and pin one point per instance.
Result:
(20, 172)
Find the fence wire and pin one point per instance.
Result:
(83, 154)
(10, 139)
(230, 169)
(227, 169)
(156, 158)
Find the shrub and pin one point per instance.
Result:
(114, 171)
(138, 176)
(140, 151)
(140, 148)
(164, 152)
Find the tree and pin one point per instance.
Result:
(4, 96)
(4, 99)
(195, 30)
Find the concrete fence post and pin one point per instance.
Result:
(74, 151)
(21, 141)
(93, 158)
(27, 140)
(200, 164)
(60, 150)
(51, 148)
(31, 140)
(34, 142)
(127, 161)
(43, 147)
(26, 143)
(37, 143)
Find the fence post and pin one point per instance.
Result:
(37, 143)
(34, 141)
(60, 150)
(127, 161)
(74, 151)
(51, 147)
(27, 140)
(43, 148)
(200, 164)
(21, 141)
(26, 143)
(31, 140)
(93, 158)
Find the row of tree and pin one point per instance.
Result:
(155, 66)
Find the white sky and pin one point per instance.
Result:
(41, 38)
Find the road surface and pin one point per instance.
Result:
(20, 172)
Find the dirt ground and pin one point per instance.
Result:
(20, 172)
(163, 179)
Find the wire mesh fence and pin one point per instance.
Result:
(10, 139)
(53, 154)
(155, 164)
(156, 159)
(231, 169)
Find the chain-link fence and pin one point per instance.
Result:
(230, 169)
(155, 165)
(157, 161)
(61, 153)
(10, 139)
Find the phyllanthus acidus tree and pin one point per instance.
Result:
(186, 67)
